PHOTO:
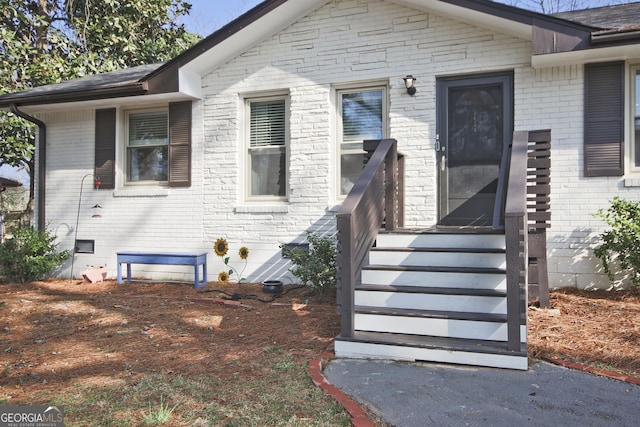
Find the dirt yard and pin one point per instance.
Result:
(56, 332)
(60, 337)
(57, 337)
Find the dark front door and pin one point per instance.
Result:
(475, 124)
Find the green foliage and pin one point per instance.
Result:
(139, 31)
(622, 242)
(317, 266)
(49, 41)
(30, 255)
(160, 415)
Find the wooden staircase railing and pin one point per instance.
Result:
(526, 219)
(376, 199)
(372, 202)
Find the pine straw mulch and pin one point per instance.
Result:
(57, 334)
(599, 329)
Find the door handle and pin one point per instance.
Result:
(441, 150)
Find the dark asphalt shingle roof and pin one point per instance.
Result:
(6, 182)
(105, 81)
(620, 17)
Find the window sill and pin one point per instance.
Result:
(632, 182)
(262, 209)
(142, 192)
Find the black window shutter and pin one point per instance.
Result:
(604, 119)
(180, 144)
(105, 150)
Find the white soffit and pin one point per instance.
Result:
(247, 37)
(462, 14)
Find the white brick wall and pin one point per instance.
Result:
(342, 42)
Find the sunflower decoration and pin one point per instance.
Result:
(221, 248)
(223, 278)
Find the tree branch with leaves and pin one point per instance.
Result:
(50, 41)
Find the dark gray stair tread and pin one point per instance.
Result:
(432, 269)
(432, 290)
(444, 230)
(432, 314)
(439, 250)
(436, 343)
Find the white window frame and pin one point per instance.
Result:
(634, 115)
(126, 160)
(348, 89)
(248, 101)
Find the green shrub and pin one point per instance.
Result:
(622, 242)
(315, 267)
(30, 255)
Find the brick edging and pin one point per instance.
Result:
(601, 372)
(358, 416)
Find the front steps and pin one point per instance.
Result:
(434, 296)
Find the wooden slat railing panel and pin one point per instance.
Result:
(538, 205)
(374, 199)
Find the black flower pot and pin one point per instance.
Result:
(272, 286)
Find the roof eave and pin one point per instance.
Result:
(20, 100)
(9, 183)
(577, 57)
(616, 37)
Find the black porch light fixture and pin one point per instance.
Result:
(409, 83)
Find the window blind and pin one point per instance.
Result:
(267, 123)
(149, 128)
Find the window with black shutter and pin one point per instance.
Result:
(604, 119)
(157, 146)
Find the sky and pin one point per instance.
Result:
(206, 16)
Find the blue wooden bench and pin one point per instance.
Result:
(196, 260)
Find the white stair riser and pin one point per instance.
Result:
(359, 350)
(435, 279)
(440, 240)
(460, 303)
(451, 328)
(438, 259)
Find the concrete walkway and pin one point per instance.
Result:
(423, 394)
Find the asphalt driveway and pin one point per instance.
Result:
(424, 394)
